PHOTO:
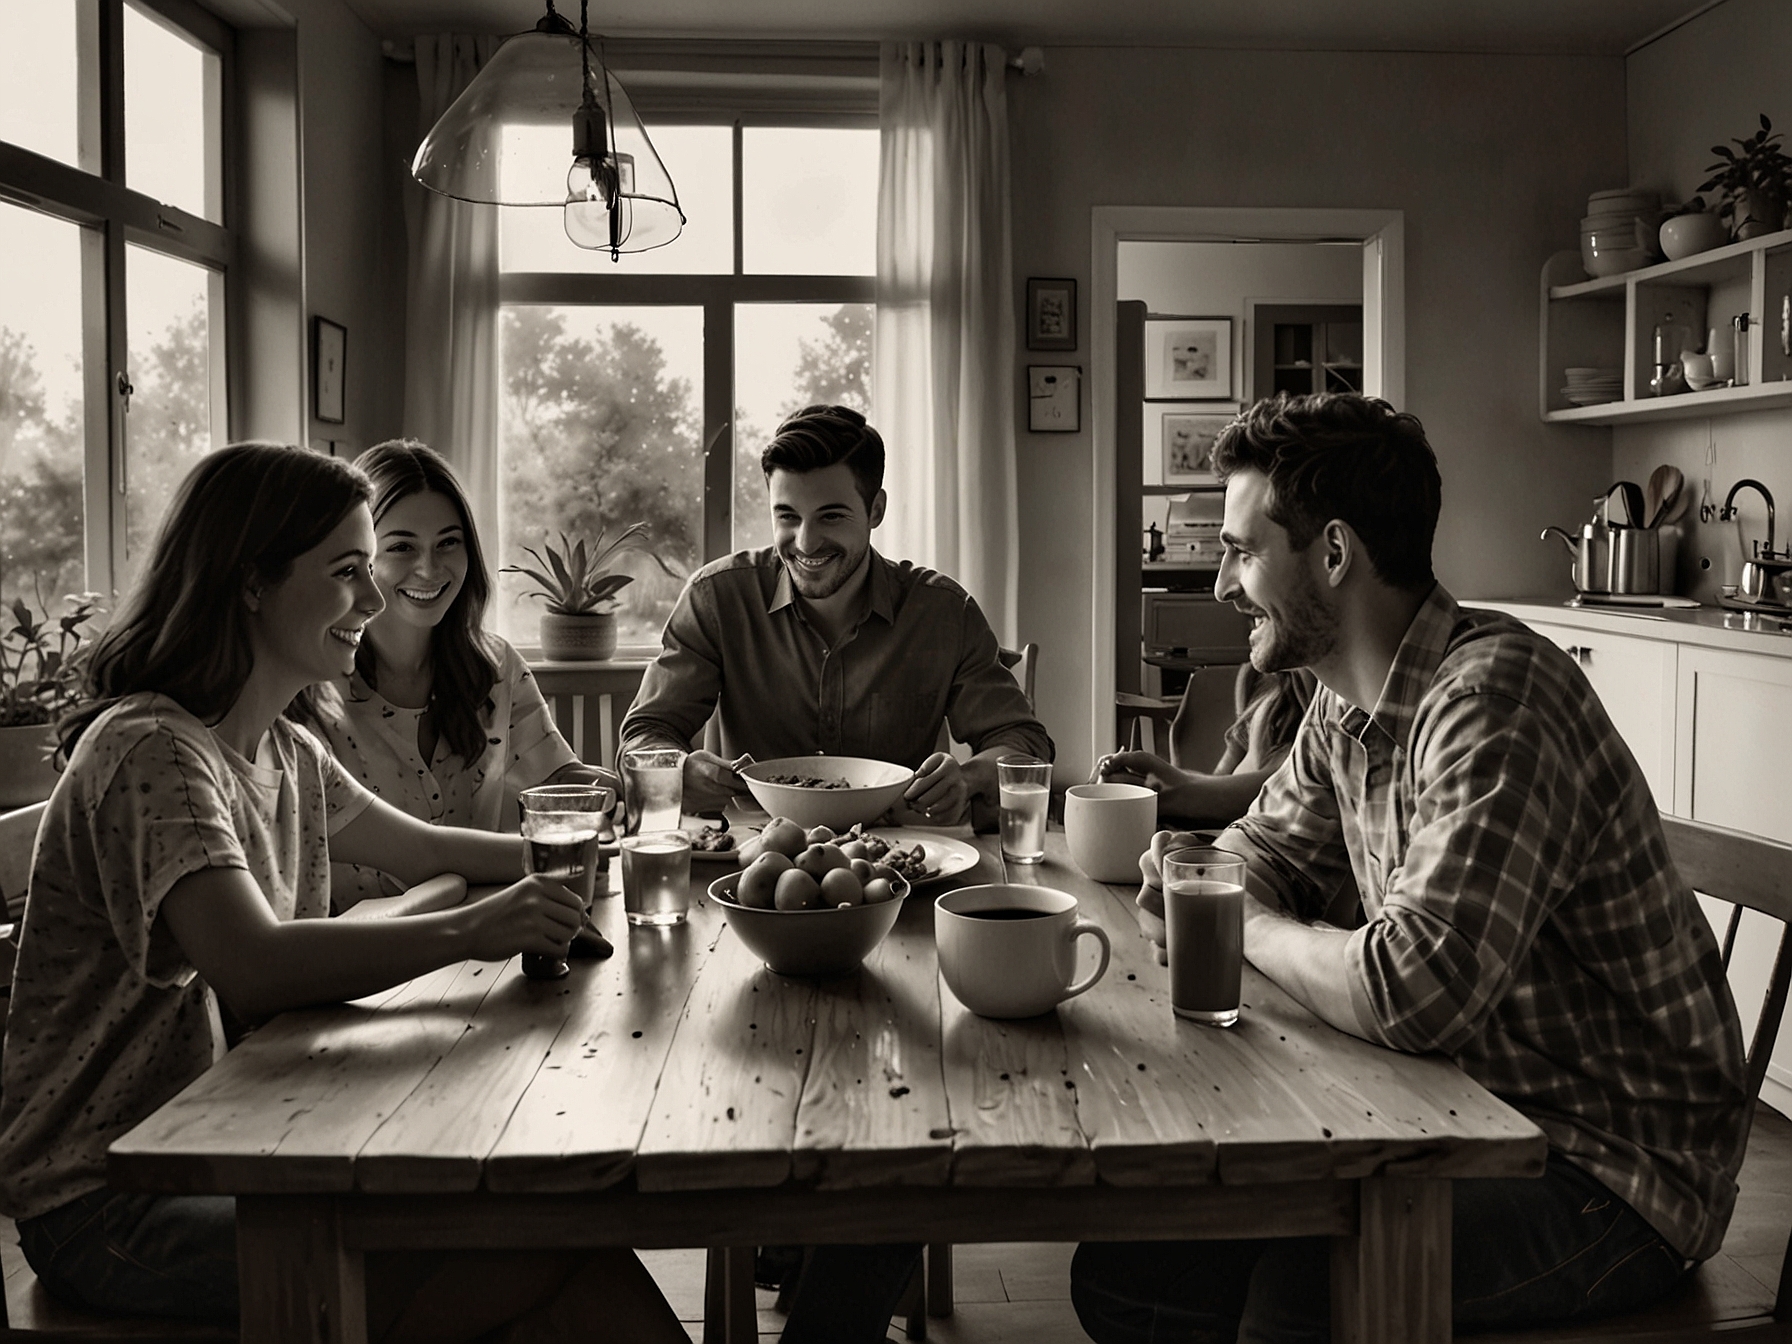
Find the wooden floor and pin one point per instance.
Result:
(1021, 1292)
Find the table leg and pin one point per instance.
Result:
(299, 1283)
(1391, 1281)
(730, 1310)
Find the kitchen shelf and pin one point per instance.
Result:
(1609, 322)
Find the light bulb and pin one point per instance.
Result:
(597, 212)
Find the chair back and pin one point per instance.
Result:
(1023, 662)
(18, 835)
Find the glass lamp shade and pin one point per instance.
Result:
(533, 81)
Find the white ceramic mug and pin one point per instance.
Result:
(1010, 951)
(1107, 827)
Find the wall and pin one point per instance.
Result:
(1703, 84)
(347, 260)
(1491, 159)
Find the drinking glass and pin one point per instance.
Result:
(1026, 788)
(656, 877)
(653, 786)
(560, 824)
(1204, 918)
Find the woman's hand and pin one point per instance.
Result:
(1139, 767)
(536, 914)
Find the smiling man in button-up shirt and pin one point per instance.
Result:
(819, 644)
(1520, 911)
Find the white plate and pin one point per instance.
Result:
(943, 852)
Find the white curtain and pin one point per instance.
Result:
(451, 314)
(945, 318)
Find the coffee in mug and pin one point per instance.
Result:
(1204, 929)
(1010, 951)
(1107, 827)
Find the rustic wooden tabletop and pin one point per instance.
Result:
(697, 1098)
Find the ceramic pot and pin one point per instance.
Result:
(26, 773)
(587, 637)
(1686, 235)
(1757, 213)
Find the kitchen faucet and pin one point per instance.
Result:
(1728, 513)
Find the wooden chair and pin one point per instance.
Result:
(588, 701)
(1717, 1300)
(1024, 663)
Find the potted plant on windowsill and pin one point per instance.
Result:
(41, 665)
(1755, 179)
(579, 624)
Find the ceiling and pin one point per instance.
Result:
(1596, 27)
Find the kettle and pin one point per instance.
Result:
(1590, 553)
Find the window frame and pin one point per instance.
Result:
(717, 294)
(112, 215)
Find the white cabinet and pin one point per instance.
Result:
(1635, 681)
(1734, 740)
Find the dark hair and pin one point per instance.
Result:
(823, 436)
(462, 672)
(242, 515)
(1344, 456)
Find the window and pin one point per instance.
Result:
(113, 257)
(645, 389)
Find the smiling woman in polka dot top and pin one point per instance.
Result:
(183, 863)
(440, 718)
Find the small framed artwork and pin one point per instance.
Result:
(1188, 358)
(1051, 314)
(1054, 398)
(1186, 435)
(329, 369)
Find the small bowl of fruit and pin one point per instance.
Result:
(832, 791)
(804, 906)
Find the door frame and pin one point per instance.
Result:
(1382, 234)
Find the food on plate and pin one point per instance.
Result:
(712, 840)
(909, 864)
(808, 781)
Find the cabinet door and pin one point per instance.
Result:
(1634, 679)
(1735, 740)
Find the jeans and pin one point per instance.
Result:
(1560, 1248)
(138, 1255)
(847, 1294)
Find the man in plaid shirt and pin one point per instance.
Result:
(1520, 911)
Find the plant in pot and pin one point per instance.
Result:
(42, 660)
(579, 624)
(1755, 179)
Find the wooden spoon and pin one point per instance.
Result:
(1665, 483)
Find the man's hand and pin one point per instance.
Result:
(938, 790)
(710, 782)
(1151, 891)
(1138, 767)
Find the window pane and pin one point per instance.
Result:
(601, 426)
(788, 356)
(808, 201)
(174, 361)
(38, 53)
(171, 116)
(41, 412)
(701, 162)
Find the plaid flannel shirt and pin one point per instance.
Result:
(1522, 914)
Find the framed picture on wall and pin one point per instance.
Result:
(1188, 358)
(329, 369)
(1186, 441)
(1051, 314)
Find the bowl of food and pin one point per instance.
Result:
(792, 927)
(833, 791)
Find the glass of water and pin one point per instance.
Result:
(653, 787)
(1026, 789)
(560, 824)
(656, 877)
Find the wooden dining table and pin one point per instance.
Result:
(680, 1094)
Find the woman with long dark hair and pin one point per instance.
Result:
(183, 865)
(440, 718)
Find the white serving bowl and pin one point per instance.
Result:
(809, 942)
(873, 787)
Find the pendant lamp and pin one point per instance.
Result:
(614, 192)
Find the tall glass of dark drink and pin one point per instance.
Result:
(1204, 917)
(560, 826)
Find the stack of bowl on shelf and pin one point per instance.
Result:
(1621, 231)
(1590, 387)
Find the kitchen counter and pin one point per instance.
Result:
(1706, 627)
